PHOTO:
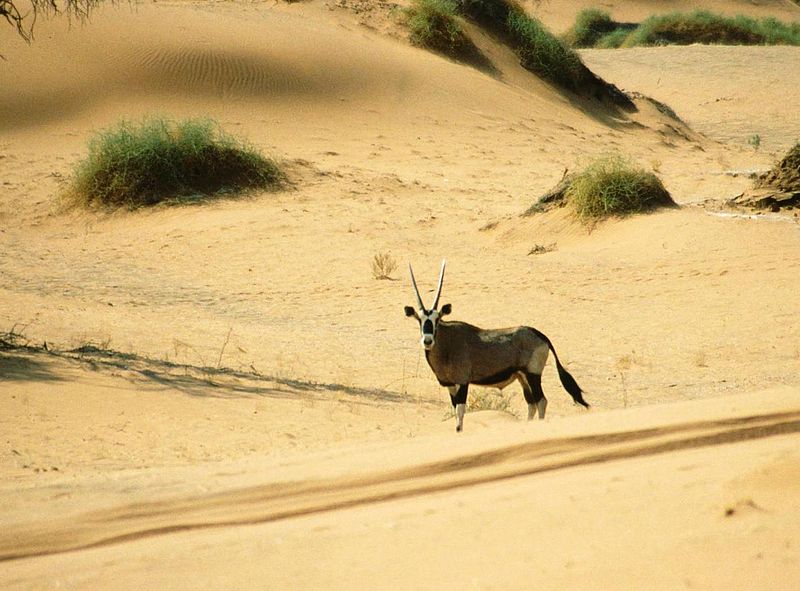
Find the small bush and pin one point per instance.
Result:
(159, 160)
(434, 25)
(383, 265)
(590, 26)
(595, 28)
(543, 53)
(612, 186)
(778, 33)
(538, 49)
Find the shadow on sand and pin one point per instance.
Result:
(25, 367)
(27, 362)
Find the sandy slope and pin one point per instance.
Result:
(651, 497)
(721, 107)
(273, 422)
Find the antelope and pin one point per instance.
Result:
(461, 354)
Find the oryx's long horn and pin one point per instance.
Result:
(416, 289)
(439, 289)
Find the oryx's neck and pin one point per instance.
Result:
(440, 353)
(449, 356)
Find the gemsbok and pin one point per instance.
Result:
(461, 354)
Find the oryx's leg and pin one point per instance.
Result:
(458, 397)
(534, 395)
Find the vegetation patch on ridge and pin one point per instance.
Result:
(435, 24)
(538, 49)
(158, 160)
(545, 54)
(595, 28)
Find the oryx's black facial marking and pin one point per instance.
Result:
(427, 327)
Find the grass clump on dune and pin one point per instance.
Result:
(594, 28)
(538, 49)
(545, 54)
(611, 186)
(434, 25)
(591, 25)
(702, 26)
(134, 165)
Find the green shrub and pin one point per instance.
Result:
(702, 26)
(594, 28)
(612, 186)
(539, 50)
(543, 53)
(160, 160)
(590, 26)
(778, 33)
(434, 25)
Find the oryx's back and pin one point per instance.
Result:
(466, 353)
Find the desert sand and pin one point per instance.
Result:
(223, 396)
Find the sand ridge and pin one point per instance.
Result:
(275, 502)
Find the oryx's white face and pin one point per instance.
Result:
(428, 319)
(428, 322)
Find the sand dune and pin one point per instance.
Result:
(285, 500)
(228, 398)
(724, 476)
(262, 56)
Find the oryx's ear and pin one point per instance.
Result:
(446, 309)
(411, 312)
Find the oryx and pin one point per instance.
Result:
(461, 354)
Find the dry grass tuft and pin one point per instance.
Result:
(486, 399)
(383, 265)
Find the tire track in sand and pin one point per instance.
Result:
(271, 502)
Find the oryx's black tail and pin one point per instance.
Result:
(569, 383)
